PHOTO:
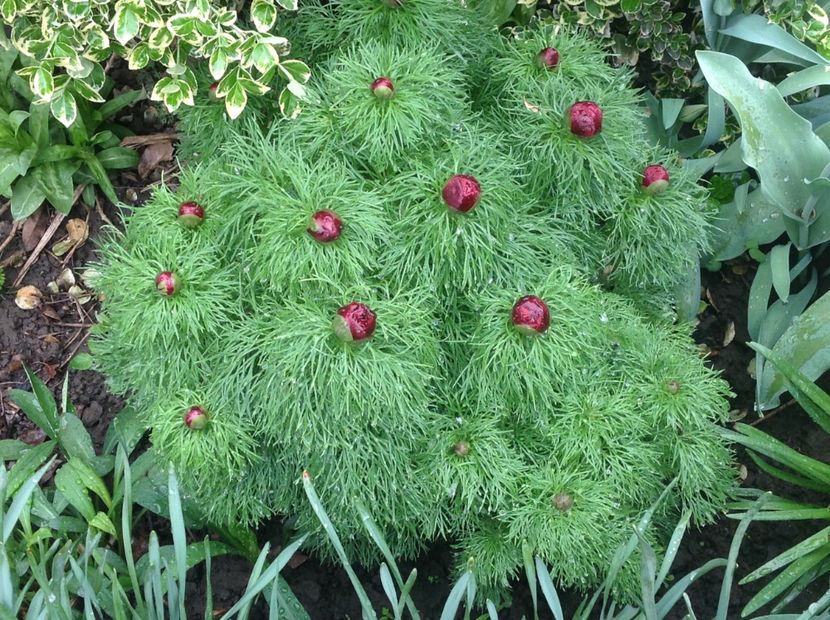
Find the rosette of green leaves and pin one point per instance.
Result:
(66, 44)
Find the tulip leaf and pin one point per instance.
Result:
(778, 143)
(804, 345)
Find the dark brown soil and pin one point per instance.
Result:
(44, 339)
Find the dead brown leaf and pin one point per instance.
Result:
(154, 155)
(50, 313)
(532, 107)
(711, 300)
(77, 233)
(729, 336)
(28, 298)
(33, 228)
(147, 140)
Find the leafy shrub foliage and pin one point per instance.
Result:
(42, 160)
(66, 43)
(660, 37)
(436, 181)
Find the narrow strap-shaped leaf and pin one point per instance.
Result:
(672, 548)
(788, 577)
(455, 597)
(328, 527)
(732, 560)
(549, 590)
(678, 590)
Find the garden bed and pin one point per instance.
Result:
(46, 338)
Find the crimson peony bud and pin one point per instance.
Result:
(325, 226)
(586, 119)
(191, 214)
(655, 179)
(167, 283)
(462, 193)
(212, 91)
(531, 315)
(382, 88)
(195, 418)
(548, 58)
(354, 322)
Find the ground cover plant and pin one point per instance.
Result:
(67, 46)
(41, 159)
(398, 291)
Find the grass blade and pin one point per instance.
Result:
(270, 575)
(549, 590)
(317, 506)
(785, 579)
(648, 577)
(817, 540)
(377, 537)
(530, 571)
(21, 497)
(672, 548)
(208, 582)
(678, 590)
(179, 537)
(454, 599)
(732, 560)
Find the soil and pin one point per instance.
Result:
(45, 339)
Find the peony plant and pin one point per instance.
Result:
(444, 290)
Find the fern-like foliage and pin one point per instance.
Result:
(448, 421)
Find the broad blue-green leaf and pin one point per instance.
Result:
(805, 345)
(27, 196)
(779, 262)
(819, 75)
(778, 143)
(55, 180)
(814, 400)
(781, 315)
(758, 302)
(670, 110)
(758, 29)
(759, 222)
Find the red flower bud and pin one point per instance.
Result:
(548, 58)
(354, 322)
(325, 226)
(167, 283)
(655, 179)
(191, 214)
(462, 193)
(195, 418)
(586, 119)
(382, 88)
(531, 315)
